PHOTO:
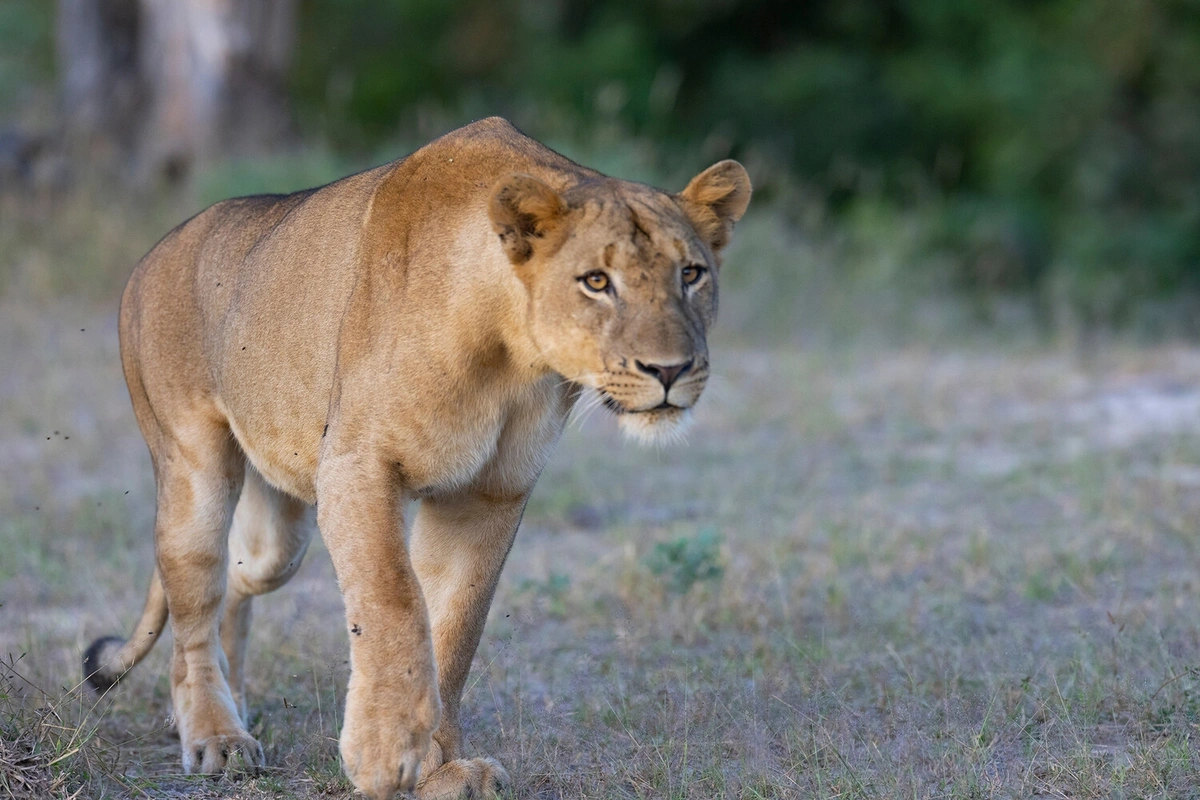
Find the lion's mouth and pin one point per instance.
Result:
(613, 405)
(660, 424)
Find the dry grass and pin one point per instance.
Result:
(958, 573)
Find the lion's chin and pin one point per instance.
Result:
(658, 426)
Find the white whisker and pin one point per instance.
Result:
(590, 400)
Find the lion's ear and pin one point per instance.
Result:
(716, 199)
(523, 210)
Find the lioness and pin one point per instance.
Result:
(417, 331)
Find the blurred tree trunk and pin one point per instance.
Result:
(175, 82)
(97, 42)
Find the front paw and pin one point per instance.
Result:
(384, 738)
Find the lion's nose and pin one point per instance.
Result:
(666, 374)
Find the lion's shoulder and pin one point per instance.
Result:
(486, 150)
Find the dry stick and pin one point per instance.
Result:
(1172, 679)
(486, 670)
(317, 692)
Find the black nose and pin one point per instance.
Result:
(666, 375)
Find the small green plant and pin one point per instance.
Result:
(687, 561)
(553, 591)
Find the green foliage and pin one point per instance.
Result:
(686, 561)
(26, 55)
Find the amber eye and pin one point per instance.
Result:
(691, 274)
(596, 281)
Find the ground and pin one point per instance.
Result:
(964, 571)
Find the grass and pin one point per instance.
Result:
(954, 572)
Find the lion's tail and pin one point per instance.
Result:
(108, 658)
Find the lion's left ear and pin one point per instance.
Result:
(523, 210)
(716, 199)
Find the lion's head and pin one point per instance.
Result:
(622, 282)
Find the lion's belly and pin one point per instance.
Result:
(288, 464)
(281, 440)
(274, 382)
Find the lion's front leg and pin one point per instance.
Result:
(459, 545)
(392, 705)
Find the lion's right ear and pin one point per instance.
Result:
(523, 210)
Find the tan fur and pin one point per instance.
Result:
(417, 331)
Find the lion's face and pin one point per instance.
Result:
(622, 283)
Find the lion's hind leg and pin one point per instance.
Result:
(199, 469)
(464, 777)
(267, 542)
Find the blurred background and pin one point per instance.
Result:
(1030, 167)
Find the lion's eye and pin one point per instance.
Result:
(691, 274)
(595, 280)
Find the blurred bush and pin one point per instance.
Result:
(1052, 145)
(1044, 146)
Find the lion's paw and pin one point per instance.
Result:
(383, 744)
(380, 774)
(474, 778)
(223, 753)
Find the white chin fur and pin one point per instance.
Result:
(667, 426)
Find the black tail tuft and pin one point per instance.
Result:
(100, 676)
